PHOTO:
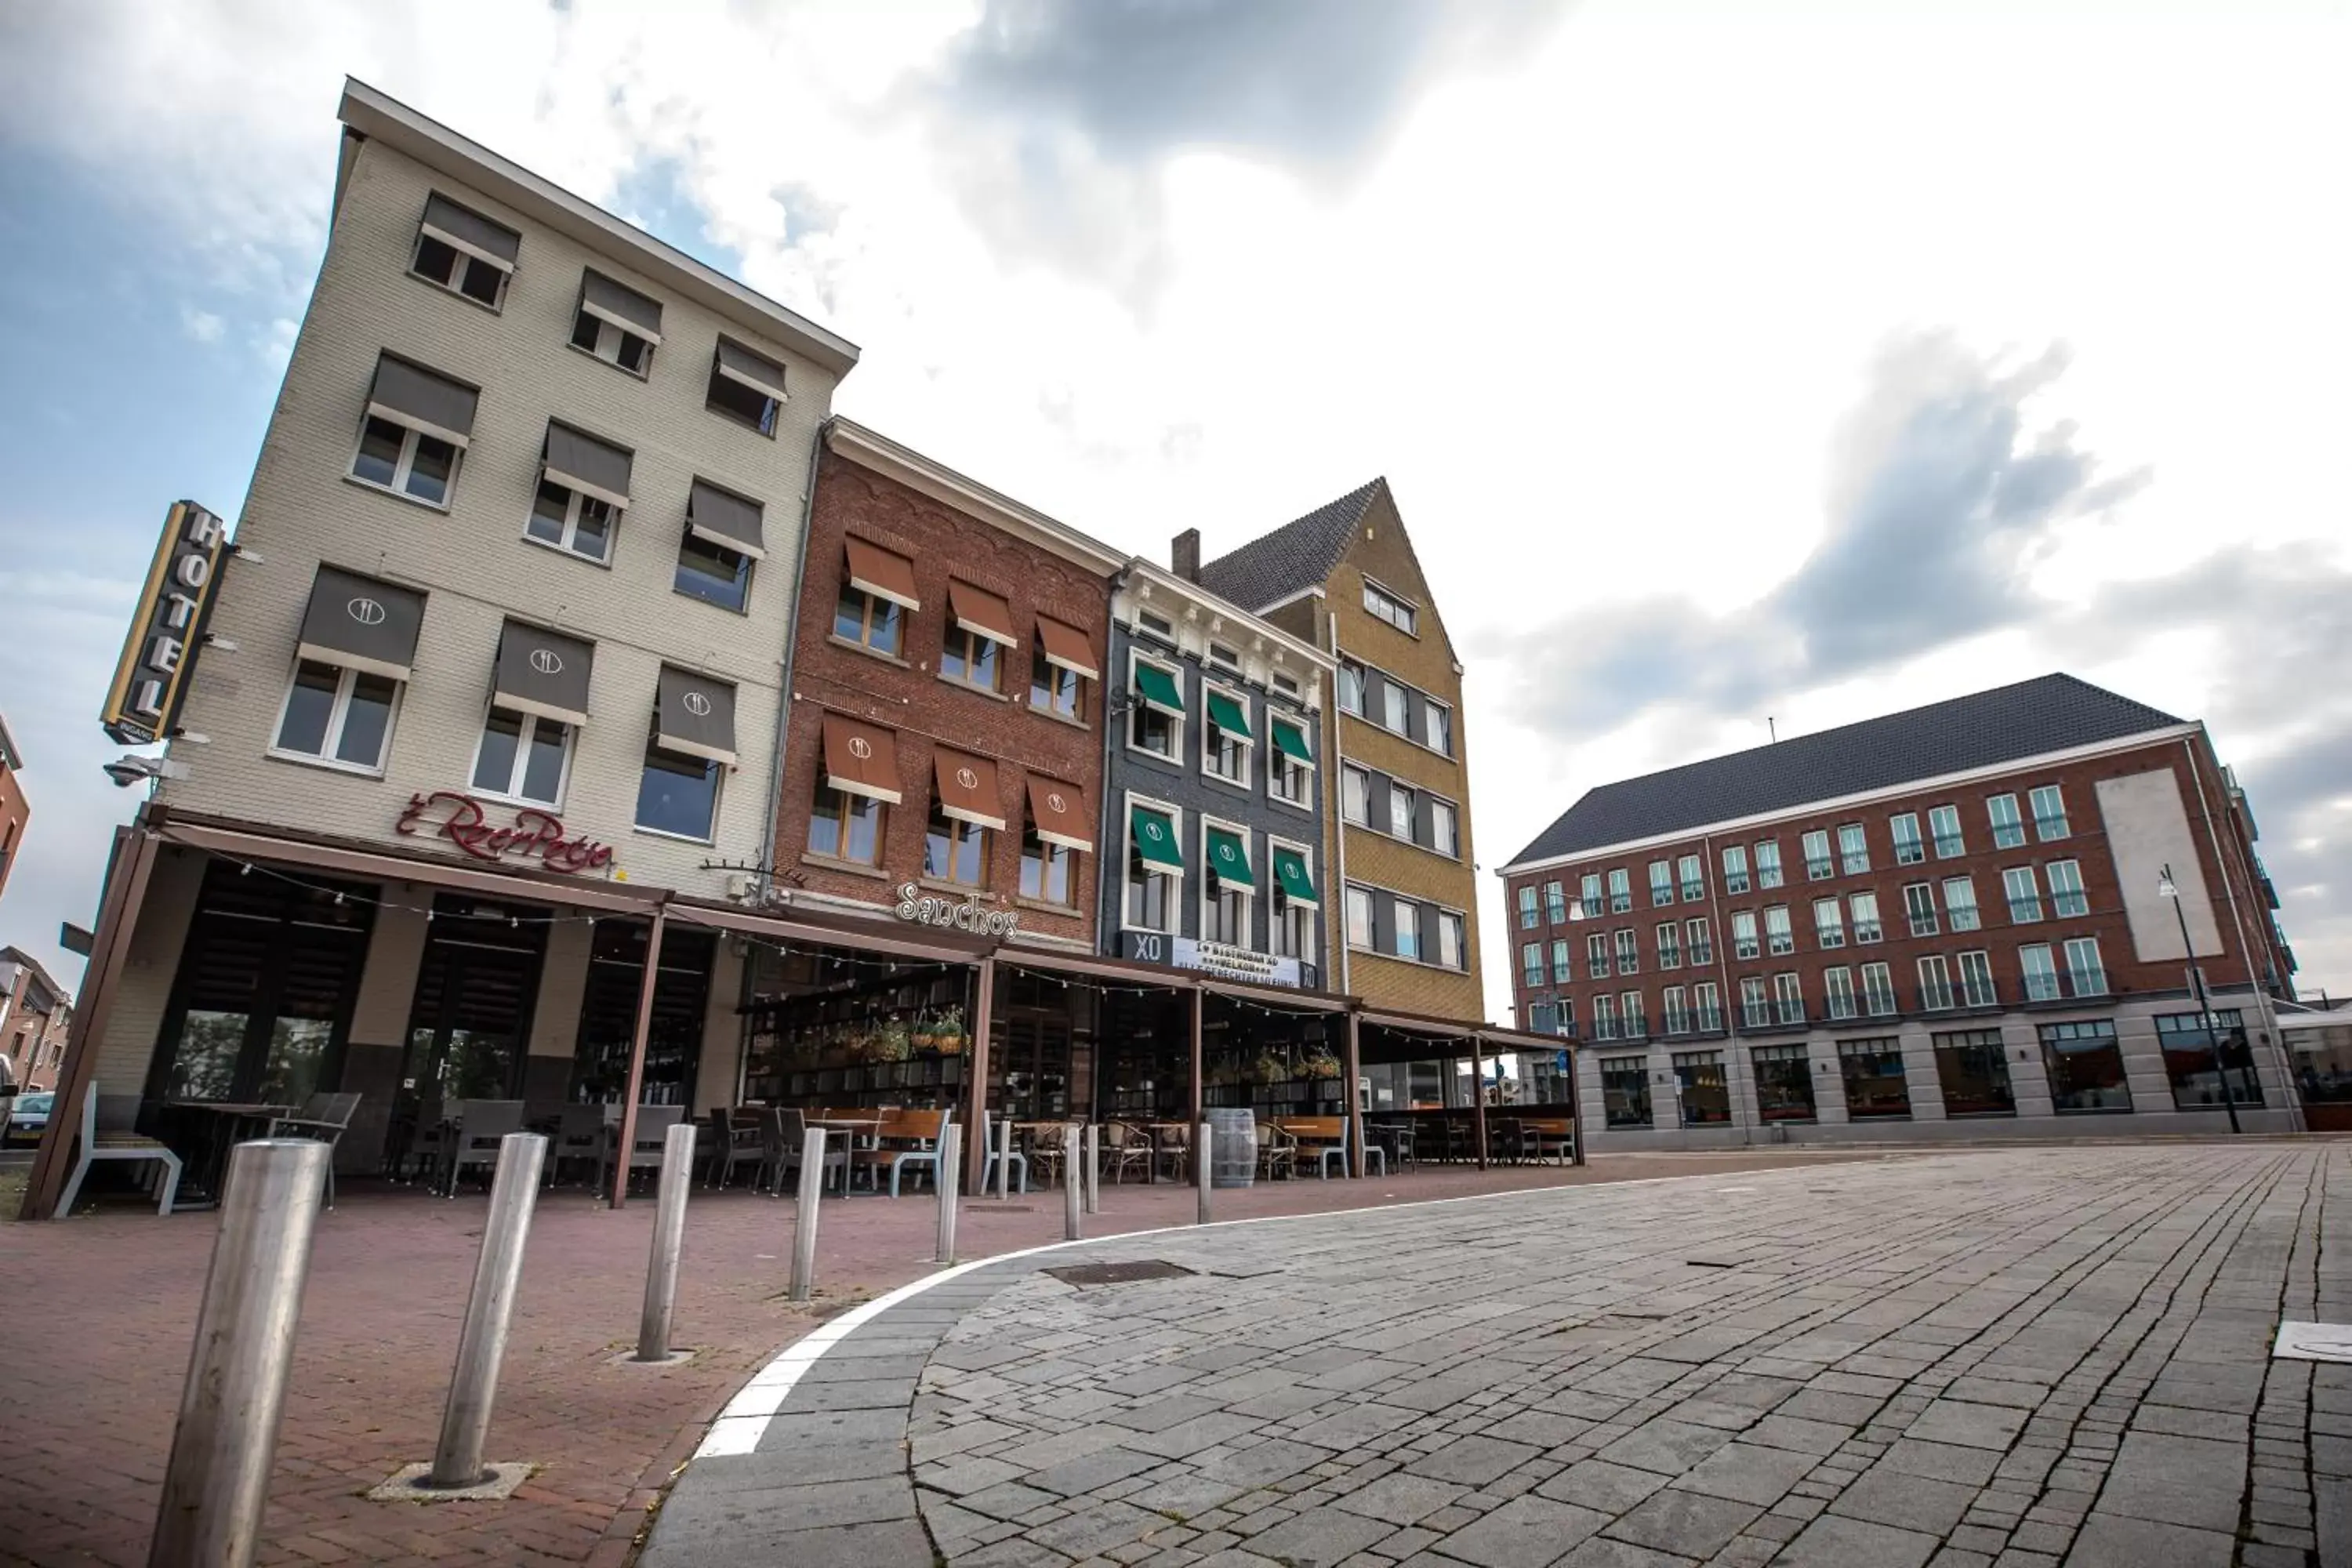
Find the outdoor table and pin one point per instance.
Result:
(1165, 1136)
(224, 1121)
(854, 1128)
(1394, 1138)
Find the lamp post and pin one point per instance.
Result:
(2165, 886)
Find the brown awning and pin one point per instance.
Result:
(883, 574)
(968, 789)
(1060, 812)
(1067, 646)
(861, 759)
(980, 612)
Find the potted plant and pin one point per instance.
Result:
(948, 1031)
(889, 1043)
(924, 1035)
(1270, 1069)
(1319, 1064)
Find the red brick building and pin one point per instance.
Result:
(1964, 912)
(12, 808)
(35, 1013)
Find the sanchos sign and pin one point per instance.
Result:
(152, 675)
(465, 822)
(970, 915)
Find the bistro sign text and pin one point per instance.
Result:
(462, 822)
(968, 916)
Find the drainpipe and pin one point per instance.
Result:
(1102, 881)
(784, 694)
(1339, 819)
(1722, 944)
(2291, 1096)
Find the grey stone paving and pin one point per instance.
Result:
(2027, 1359)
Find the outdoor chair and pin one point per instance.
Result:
(915, 1134)
(1044, 1151)
(1549, 1138)
(1323, 1139)
(325, 1117)
(1125, 1147)
(1176, 1152)
(480, 1126)
(735, 1141)
(1020, 1172)
(792, 1133)
(106, 1134)
(654, 1122)
(578, 1138)
(1278, 1152)
(420, 1138)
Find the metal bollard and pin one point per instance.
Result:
(1073, 1186)
(482, 1344)
(1201, 1167)
(669, 1230)
(804, 1212)
(1094, 1167)
(1004, 1156)
(218, 1477)
(950, 1174)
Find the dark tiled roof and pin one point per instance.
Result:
(1296, 555)
(1982, 730)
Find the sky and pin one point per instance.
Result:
(1735, 367)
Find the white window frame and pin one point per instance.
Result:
(1399, 721)
(1633, 1015)
(1596, 955)
(1910, 848)
(2038, 962)
(448, 285)
(1277, 915)
(2074, 946)
(1174, 670)
(1628, 943)
(1780, 934)
(2009, 875)
(1747, 941)
(1348, 896)
(1665, 887)
(1957, 837)
(1935, 993)
(1919, 914)
(1563, 962)
(1209, 769)
(1674, 1010)
(1589, 894)
(1454, 931)
(1698, 941)
(2001, 829)
(1707, 1007)
(1819, 867)
(2059, 896)
(1248, 896)
(1527, 921)
(1363, 677)
(1392, 609)
(1431, 708)
(1829, 933)
(2042, 819)
(1692, 876)
(1837, 988)
(1621, 890)
(1604, 1016)
(1399, 904)
(530, 726)
(1867, 928)
(1882, 991)
(1771, 871)
(1788, 997)
(1854, 854)
(1670, 945)
(1126, 872)
(1347, 771)
(1400, 791)
(1735, 870)
(1282, 769)
(337, 716)
(1531, 964)
(1978, 987)
(1755, 1003)
(1556, 902)
(1953, 911)
(610, 339)
(404, 463)
(566, 542)
(1451, 848)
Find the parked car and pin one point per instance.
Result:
(27, 1117)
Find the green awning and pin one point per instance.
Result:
(1229, 856)
(1290, 871)
(1228, 715)
(1291, 740)
(1158, 688)
(1155, 838)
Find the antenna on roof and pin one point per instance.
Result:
(1771, 728)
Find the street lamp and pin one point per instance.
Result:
(2168, 889)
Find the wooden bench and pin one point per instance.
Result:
(904, 1138)
(1552, 1135)
(1324, 1139)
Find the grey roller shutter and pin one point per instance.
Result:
(725, 519)
(621, 305)
(410, 394)
(361, 623)
(695, 715)
(1416, 714)
(1375, 800)
(543, 672)
(761, 373)
(1428, 918)
(1383, 923)
(470, 231)
(1424, 822)
(583, 463)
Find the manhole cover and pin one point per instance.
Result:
(1085, 1274)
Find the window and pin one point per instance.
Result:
(1877, 990)
(1935, 982)
(1694, 879)
(969, 659)
(1767, 863)
(1157, 625)
(1620, 891)
(408, 461)
(521, 756)
(1828, 923)
(1789, 998)
(2066, 895)
(1227, 738)
(1943, 823)
(1779, 931)
(617, 324)
(1629, 952)
(338, 715)
(1396, 707)
(1359, 918)
(746, 387)
(1224, 658)
(1875, 1085)
(1288, 685)
(2086, 975)
(1865, 918)
(869, 620)
(1743, 934)
(1450, 942)
(414, 431)
(1531, 964)
(713, 572)
(954, 850)
(1437, 723)
(845, 826)
(678, 793)
(1555, 903)
(1707, 1006)
(1045, 868)
(2191, 1044)
(1355, 794)
(1838, 985)
(1527, 908)
(1670, 946)
(1960, 902)
(1662, 882)
(1977, 989)
(1919, 909)
(1755, 1003)
(1784, 1083)
(1854, 849)
(2040, 971)
(1596, 956)
(2049, 813)
(1974, 1072)
(1701, 945)
(1225, 900)
(1441, 829)
(2007, 829)
(1290, 766)
(1909, 848)
(1155, 872)
(571, 519)
(464, 252)
(1625, 1091)
(2085, 1065)
(1061, 691)
(1636, 1020)
(1351, 685)
(1294, 925)
(1591, 895)
(1399, 811)
(1407, 916)
(1706, 1098)
(1818, 864)
(1604, 1017)
(2024, 897)
(1156, 723)
(1382, 605)
(1735, 869)
(1676, 1009)
(1563, 967)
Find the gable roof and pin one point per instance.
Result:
(41, 977)
(1296, 556)
(2008, 724)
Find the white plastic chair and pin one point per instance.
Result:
(117, 1144)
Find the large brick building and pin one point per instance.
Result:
(1958, 920)
(14, 810)
(35, 1013)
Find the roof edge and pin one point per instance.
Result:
(893, 459)
(1142, 567)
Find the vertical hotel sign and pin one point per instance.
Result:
(151, 678)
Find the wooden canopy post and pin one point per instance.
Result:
(1200, 1002)
(975, 1116)
(1478, 1098)
(645, 984)
(1351, 1066)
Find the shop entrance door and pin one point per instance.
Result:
(608, 1014)
(470, 1023)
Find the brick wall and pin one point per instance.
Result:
(14, 812)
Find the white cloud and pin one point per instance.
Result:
(202, 326)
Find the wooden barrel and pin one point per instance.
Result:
(1233, 1146)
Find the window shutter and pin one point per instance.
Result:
(1425, 822)
(1376, 799)
(1428, 918)
(1383, 923)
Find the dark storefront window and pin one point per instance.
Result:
(608, 1016)
(1974, 1071)
(471, 1015)
(1784, 1083)
(1625, 1090)
(2189, 1055)
(1875, 1085)
(2086, 1067)
(1706, 1098)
